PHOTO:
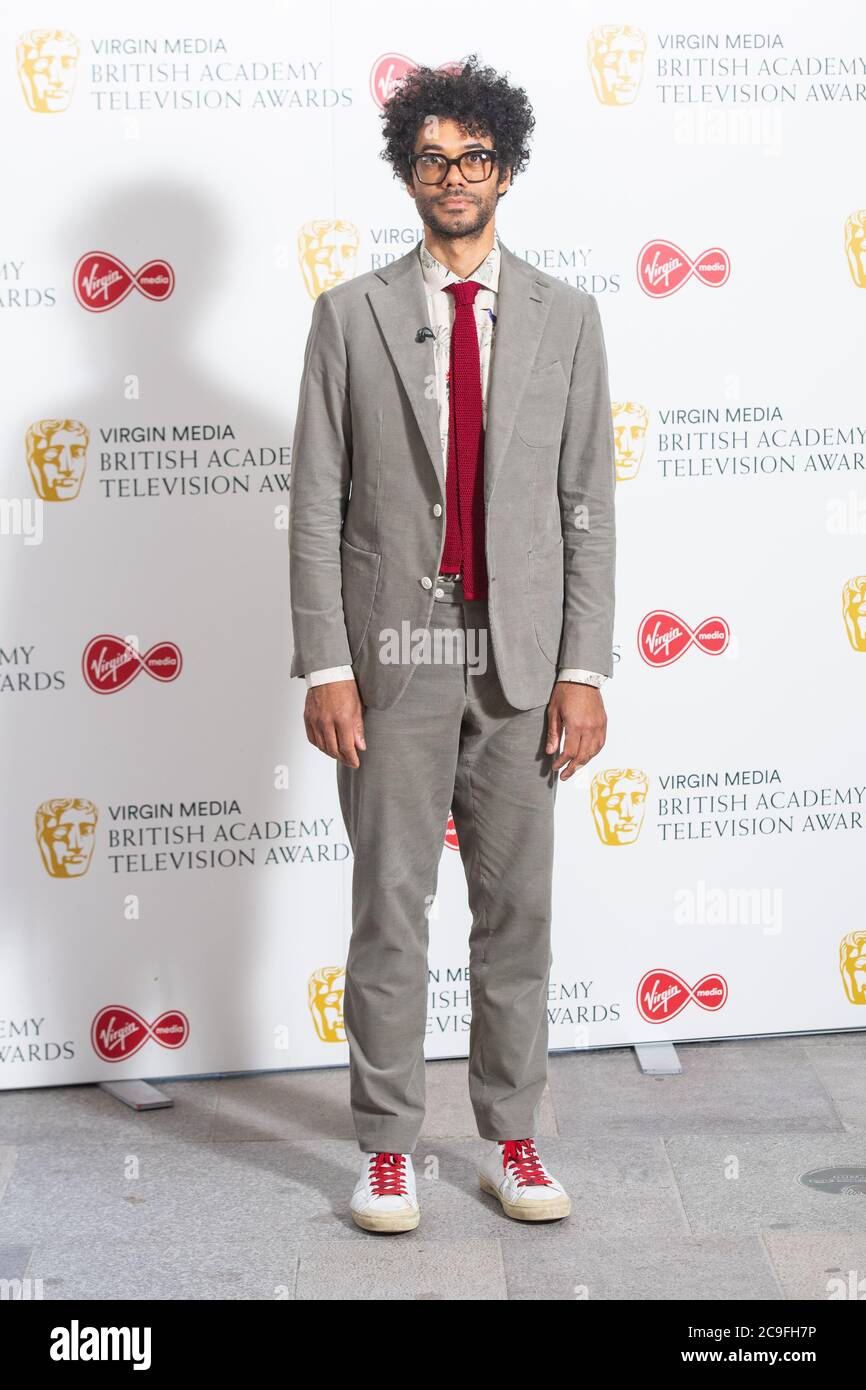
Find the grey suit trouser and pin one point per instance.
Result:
(451, 741)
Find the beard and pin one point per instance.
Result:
(469, 224)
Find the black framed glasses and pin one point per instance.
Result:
(474, 165)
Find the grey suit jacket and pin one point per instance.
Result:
(365, 541)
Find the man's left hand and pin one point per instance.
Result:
(578, 711)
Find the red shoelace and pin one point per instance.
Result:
(528, 1169)
(388, 1175)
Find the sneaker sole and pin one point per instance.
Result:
(387, 1220)
(533, 1210)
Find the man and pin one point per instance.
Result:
(427, 506)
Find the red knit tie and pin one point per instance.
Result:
(464, 479)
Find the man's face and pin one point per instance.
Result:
(457, 207)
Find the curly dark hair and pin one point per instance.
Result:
(479, 99)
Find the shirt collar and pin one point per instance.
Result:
(437, 276)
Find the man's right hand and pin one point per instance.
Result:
(334, 720)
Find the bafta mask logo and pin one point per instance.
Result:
(65, 834)
(615, 54)
(327, 253)
(855, 247)
(854, 611)
(57, 457)
(618, 797)
(852, 966)
(630, 425)
(47, 61)
(325, 998)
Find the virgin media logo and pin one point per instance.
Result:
(663, 268)
(118, 1032)
(661, 995)
(108, 663)
(389, 71)
(101, 281)
(663, 637)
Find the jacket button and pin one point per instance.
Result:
(427, 582)
(437, 509)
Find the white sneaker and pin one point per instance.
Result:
(384, 1198)
(513, 1171)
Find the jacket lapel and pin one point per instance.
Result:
(523, 304)
(399, 302)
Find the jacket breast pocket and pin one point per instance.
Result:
(542, 406)
(360, 569)
(547, 596)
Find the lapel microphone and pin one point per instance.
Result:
(424, 333)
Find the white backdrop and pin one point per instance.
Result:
(176, 876)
